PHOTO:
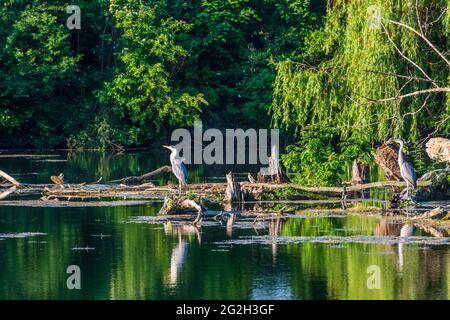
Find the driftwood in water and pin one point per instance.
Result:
(174, 206)
(6, 176)
(206, 190)
(233, 190)
(439, 187)
(338, 190)
(147, 176)
(439, 149)
(7, 192)
(436, 213)
(360, 172)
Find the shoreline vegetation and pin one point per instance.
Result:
(261, 200)
(337, 78)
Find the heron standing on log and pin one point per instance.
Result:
(406, 168)
(178, 167)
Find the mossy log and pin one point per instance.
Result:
(212, 190)
(182, 206)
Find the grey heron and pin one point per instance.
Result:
(178, 167)
(406, 168)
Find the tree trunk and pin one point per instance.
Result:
(274, 172)
(360, 172)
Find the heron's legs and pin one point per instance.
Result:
(407, 189)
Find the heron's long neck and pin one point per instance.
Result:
(173, 155)
(400, 154)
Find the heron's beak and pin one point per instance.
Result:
(167, 147)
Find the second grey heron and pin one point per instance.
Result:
(178, 167)
(406, 168)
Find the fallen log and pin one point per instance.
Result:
(436, 213)
(145, 177)
(359, 187)
(438, 189)
(213, 190)
(6, 193)
(6, 176)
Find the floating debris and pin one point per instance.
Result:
(51, 160)
(87, 248)
(70, 204)
(101, 235)
(338, 240)
(28, 156)
(20, 235)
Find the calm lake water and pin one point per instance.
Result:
(133, 256)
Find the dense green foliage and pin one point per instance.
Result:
(138, 69)
(349, 64)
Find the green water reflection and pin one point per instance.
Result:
(168, 261)
(157, 261)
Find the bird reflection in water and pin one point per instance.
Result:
(406, 231)
(180, 251)
(385, 228)
(274, 232)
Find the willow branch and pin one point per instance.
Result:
(390, 74)
(432, 46)
(411, 94)
(404, 56)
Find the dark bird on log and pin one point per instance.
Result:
(406, 168)
(178, 167)
(58, 180)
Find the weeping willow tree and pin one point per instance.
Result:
(375, 70)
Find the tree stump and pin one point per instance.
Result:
(360, 172)
(233, 190)
(274, 172)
